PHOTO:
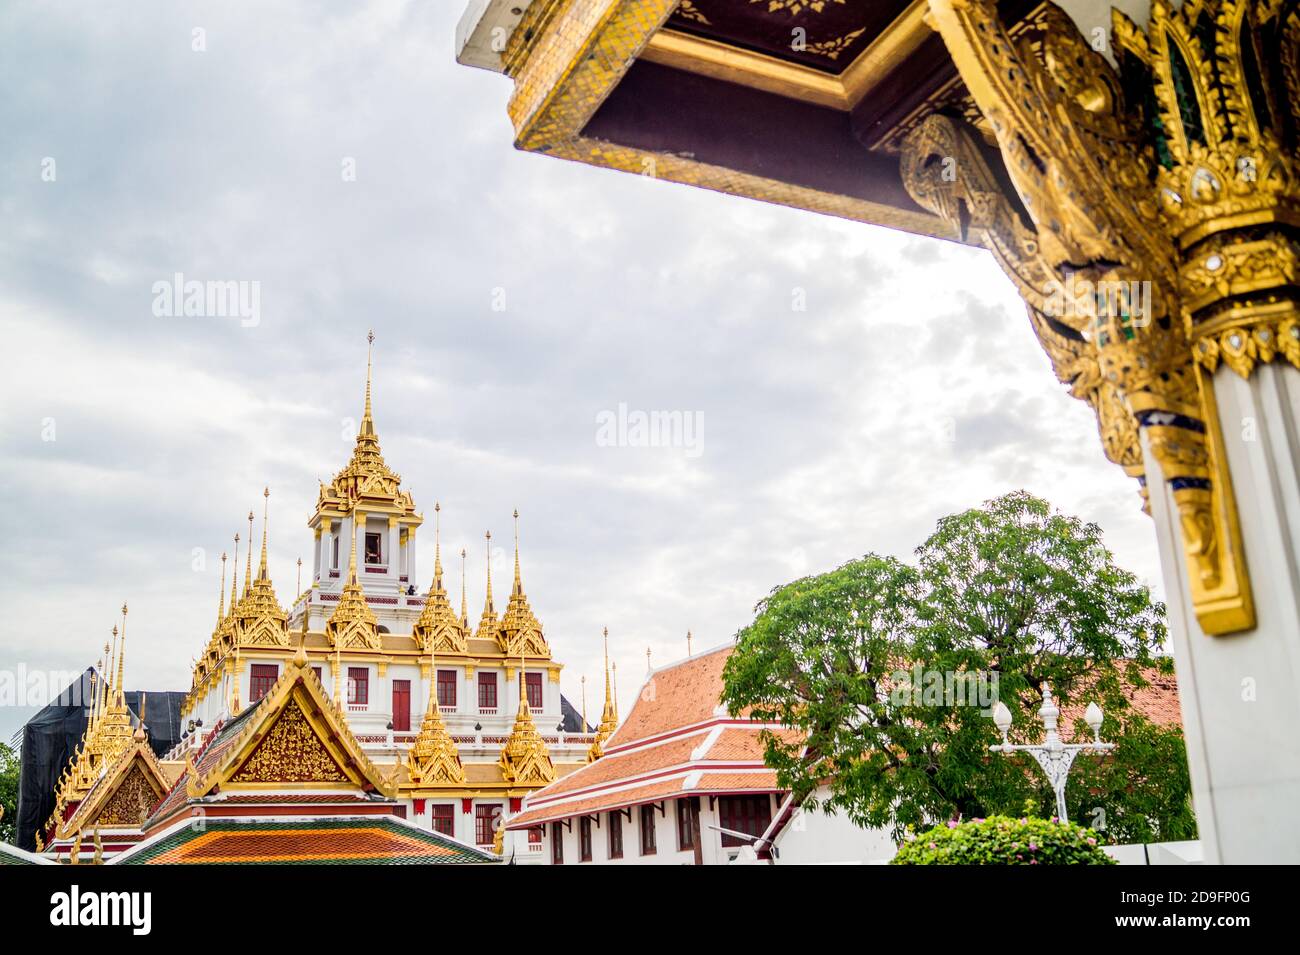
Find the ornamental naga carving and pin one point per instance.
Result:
(1148, 217)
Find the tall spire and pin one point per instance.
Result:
(489, 625)
(608, 716)
(688, 643)
(521, 631)
(367, 420)
(366, 474)
(248, 570)
(121, 660)
(266, 505)
(234, 576)
(433, 757)
(221, 593)
(438, 624)
(464, 606)
(524, 757)
(353, 622)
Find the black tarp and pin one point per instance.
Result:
(50, 737)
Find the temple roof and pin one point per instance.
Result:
(678, 740)
(337, 841)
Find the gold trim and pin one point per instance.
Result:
(760, 71)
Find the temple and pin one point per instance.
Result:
(365, 710)
(1133, 173)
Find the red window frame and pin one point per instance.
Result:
(616, 835)
(442, 818)
(487, 691)
(685, 827)
(648, 844)
(359, 685)
(557, 843)
(447, 688)
(377, 550)
(535, 836)
(262, 677)
(533, 690)
(748, 814)
(584, 839)
(401, 706)
(485, 817)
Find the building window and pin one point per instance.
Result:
(533, 687)
(685, 824)
(487, 691)
(557, 844)
(316, 670)
(584, 839)
(748, 814)
(359, 685)
(442, 819)
(262, 678)
(535, 839)
(373, 554)
(648, 830)
(447, 689)
(485, 822)
(616, 835)
(401, 706)
(334, 561)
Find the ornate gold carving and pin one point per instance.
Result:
(433, 758)
(520, 632)
(524, 759)
(291, 752)
(1113, 213)
(439, 629)
(136, 795)
(796, 7)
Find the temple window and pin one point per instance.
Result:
(533, 687)
(334, 555)
(485, 819)
(584, 839)
(262, 678)
(487, 692)
(442, 818)
(557, 844)
(358, 686)
(616, 835)
(447, 690)
(401, 706)
(373, 552)
(747, 814)
(685, 828)
(648, 847)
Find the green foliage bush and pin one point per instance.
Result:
(1002, 840)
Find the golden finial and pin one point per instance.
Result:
(298, 586)
(266, 505)
(437, 545)
(688, 643)
(488, 535)
(121, 659)
(518, 585)
(367, 422)
(234, 576)
(464, 606)
(248, 570)
(221, 592)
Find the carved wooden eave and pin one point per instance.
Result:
(711, 93)
(297, 738)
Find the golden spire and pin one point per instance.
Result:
(367, 420)
(297, 587)
(366, 473)
(524, 758)
(464, 606)
(608, 717)
(121, 659)
(353, 622)
(688, 643)
(260, 618)
(433, 758)
(488, 624)
(437, 625)
(234, 578)
(221, 593)
(520, 629)
(248, 570)
(266, 506)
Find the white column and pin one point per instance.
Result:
(1239, 693)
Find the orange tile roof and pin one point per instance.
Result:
(675, 696)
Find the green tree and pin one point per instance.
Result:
(1012, 589)
(8, 793)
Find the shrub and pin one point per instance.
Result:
(1001, 840)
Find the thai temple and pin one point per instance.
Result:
(366, 717)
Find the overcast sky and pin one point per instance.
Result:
(910, 387)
